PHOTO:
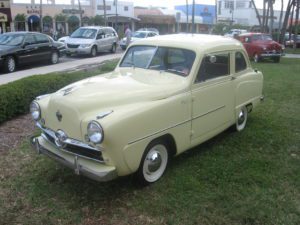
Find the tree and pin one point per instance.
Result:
(271, 2)
(257, 15)
(98, 20)
(280, 19)
(285, 21)
(80, 13)
(296, 23)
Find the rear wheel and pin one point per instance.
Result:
(154, 162)
(94, 51)
(113, 48)
(241, 120)
(9, 64)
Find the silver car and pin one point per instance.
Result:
(91, 40)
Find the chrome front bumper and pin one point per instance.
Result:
(80, 165)
(271, 54)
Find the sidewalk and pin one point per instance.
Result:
(73, 65)
(292, 56)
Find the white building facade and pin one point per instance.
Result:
(241, 12)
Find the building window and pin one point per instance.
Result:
(125, 8)
(101, 7)
(229, 4)
(219, 7)
(240, 4)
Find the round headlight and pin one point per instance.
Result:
(95, 132)
(35, 110)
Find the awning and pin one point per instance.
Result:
(33, 19)
(121, 19)
(157, 19)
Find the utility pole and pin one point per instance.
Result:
(116, 4)
(193, 18)
(187, 15)
(41, 17)
(80, 13)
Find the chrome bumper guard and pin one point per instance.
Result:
(271, 55)
(76, 166)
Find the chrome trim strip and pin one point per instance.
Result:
(63, 150)
(69, 141)
(211, 111)
(176, 125)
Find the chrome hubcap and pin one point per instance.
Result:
(94, 52)
(11, 64)
(241, 117)
(54, 58)
(155, 163)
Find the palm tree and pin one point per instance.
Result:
(80, 13)
(285, 21)
(296, 23)
(280, 19)
(257, 15)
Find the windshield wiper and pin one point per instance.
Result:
(176, 72)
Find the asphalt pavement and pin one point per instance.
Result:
(65, 64)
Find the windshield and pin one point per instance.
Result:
(84, 33)
(174, 60)
(262, 37)
(139, 34)
(11, 39)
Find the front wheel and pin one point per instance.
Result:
(10, 64)
(276, 59)
(94, 51)
(154, 163)
(54, 58)
(256, 58)
(241, 120)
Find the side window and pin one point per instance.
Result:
(247, 39)
(41, 38)
(240, 62)
(100, 34)
(29, 40)
(213, 66)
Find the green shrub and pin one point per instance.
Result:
(16, 96)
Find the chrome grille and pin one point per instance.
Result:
(72, 46)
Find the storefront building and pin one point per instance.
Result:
(56, 18)
(5, 16)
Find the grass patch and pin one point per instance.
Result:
(251, 177)
(292, 50)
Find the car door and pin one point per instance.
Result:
(212, 97)
(100, 40)
(29, 50)
(44, 47)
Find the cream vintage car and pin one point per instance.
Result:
(167, 94)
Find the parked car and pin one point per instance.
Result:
(167, 94)
(18, 48)
(63, 39)
(261, 46)
(91, 40)
(137, 36)
(234, 33)
(149, 29)
(289, 42)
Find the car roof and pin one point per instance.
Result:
(23, 32)
(198, 42)
(96, 27)
(252, 33)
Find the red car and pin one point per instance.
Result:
(261, 46)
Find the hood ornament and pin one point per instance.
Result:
(58, 116)
(103, 114)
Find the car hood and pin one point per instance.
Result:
(125, 86)
(78, 41)
(268, 44)
(6, 48)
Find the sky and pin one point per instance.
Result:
(171, 3)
